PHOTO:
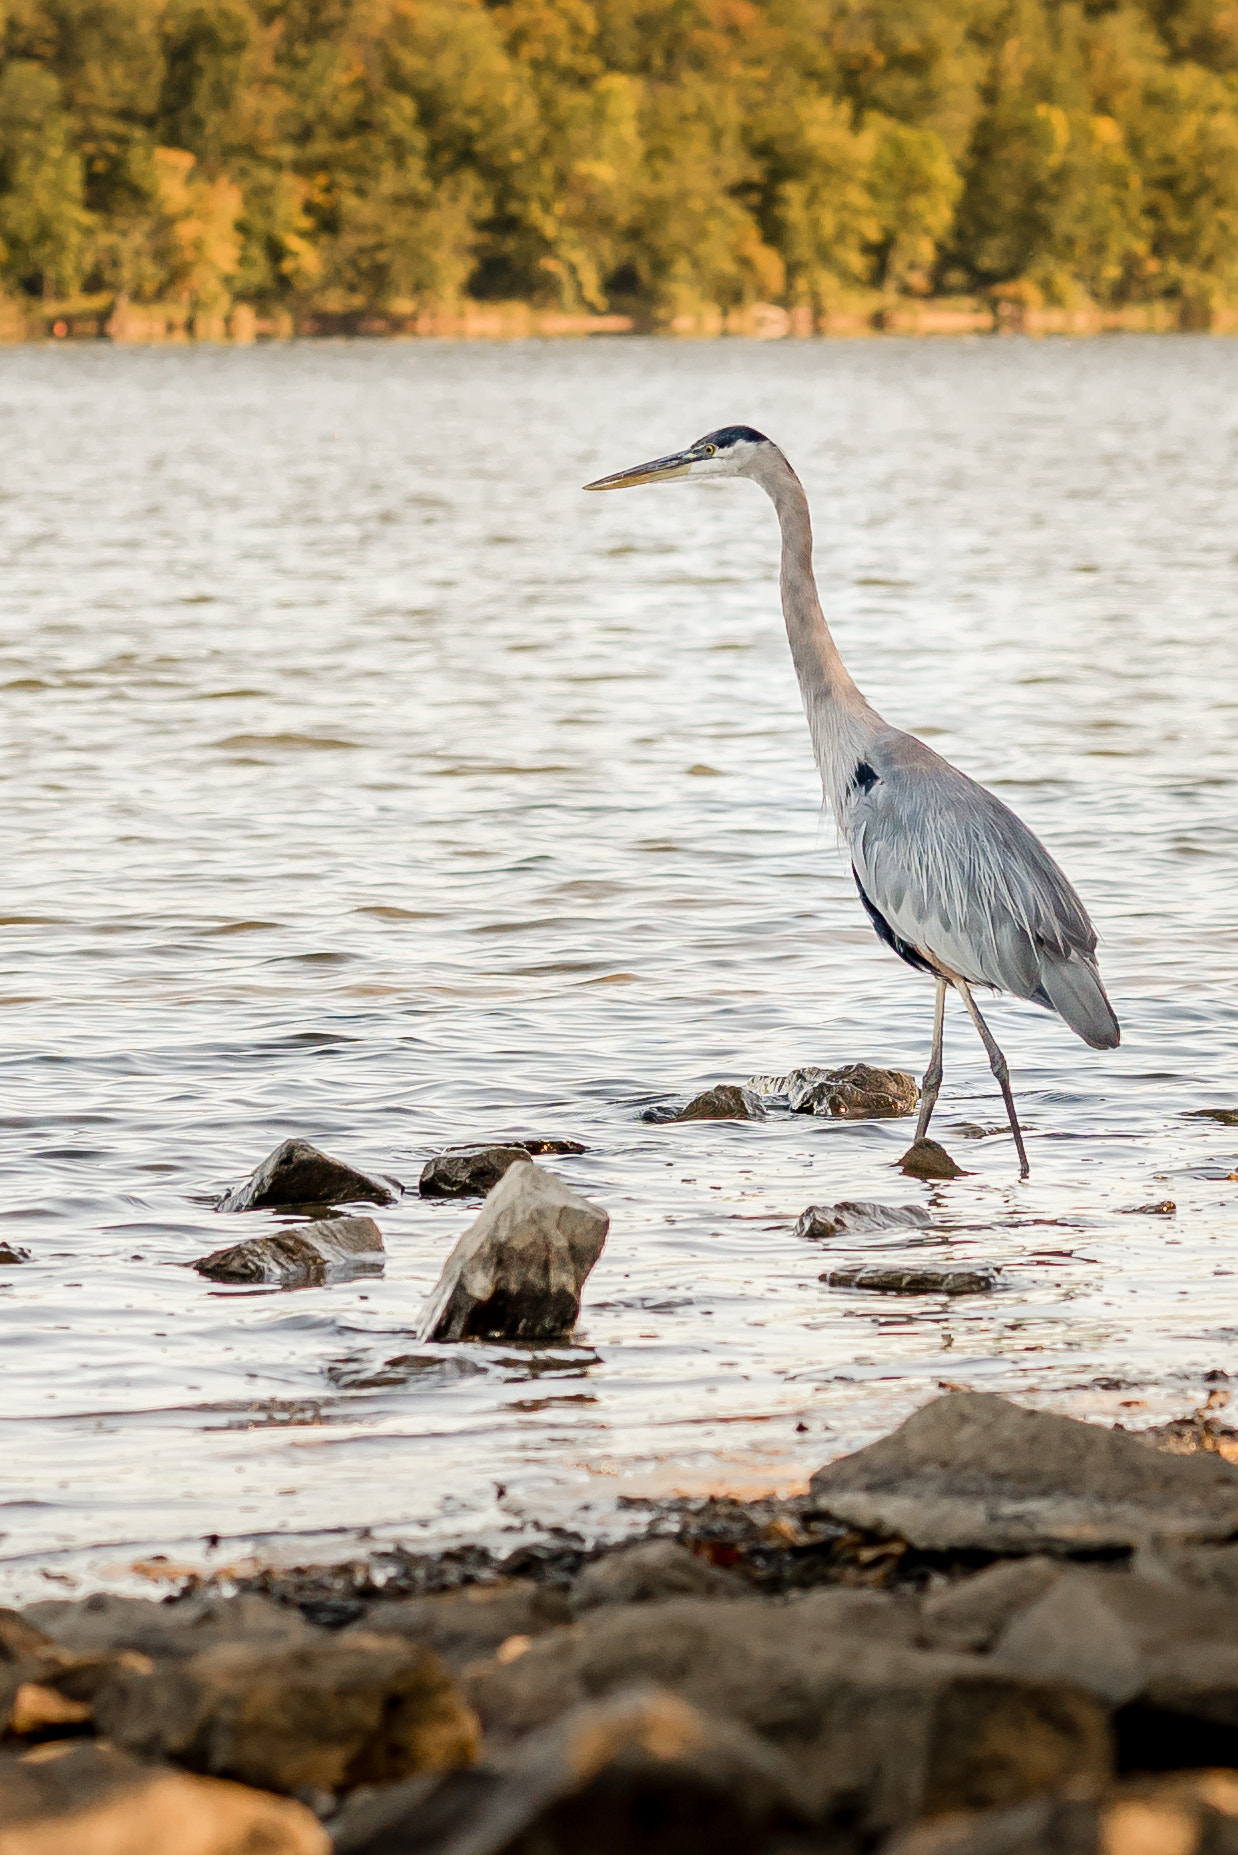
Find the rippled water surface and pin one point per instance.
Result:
(363, 780)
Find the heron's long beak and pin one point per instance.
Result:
(658, 472)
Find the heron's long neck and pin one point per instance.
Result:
(839, 719)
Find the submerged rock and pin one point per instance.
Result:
(518, 1271)
(9, 1256)
(296, 1174)
(468, 1171)
(857, 1216)
(727, 1102)
(925, 1159)
(297, 1258)
(972, 1471)
(901, 1279)
(87, 1797)
(855, 1092)
(358, 1709)
(1227, 1117)
(541, 1144)
(1165, 1208)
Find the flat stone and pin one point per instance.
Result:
(639, 1770)
(297, 1174)
(326, 1716)
(858, 1216)
(652, 1569)
(471, 1623)
(80, 1798)
(297, 1258)
(1226, 1117)
(973, 1471)
(517, 1273)
(467, 1171)
(885, 1732)
(926, 1159)
(898, 1279)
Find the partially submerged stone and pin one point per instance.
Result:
(927, 1159)
(298, 1258)
(468, 1171)
(973, 1471)
(854, 1092)
(297, 1174)
(80, 1798)
(10, 1257)
(727, 1102)
(539, 1145)
(326, 1716)
(639, 1770)
(907, 1279)
(1225, 1117)
(855, 1217)
(517, 1273)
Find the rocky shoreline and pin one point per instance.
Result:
(995, 1629)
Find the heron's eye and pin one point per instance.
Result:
(710, 449)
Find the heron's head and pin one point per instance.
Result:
(731, 452)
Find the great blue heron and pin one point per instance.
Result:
(951, 879)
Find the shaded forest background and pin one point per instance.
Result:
(667, 159)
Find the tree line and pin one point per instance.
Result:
(649, 157)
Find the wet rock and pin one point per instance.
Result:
(656, 1568)
(518, 1271)
(901, 1279)
(641, 1770)
(972, 1614)
(10, 1257)
(472, 1623)
(1182, 1813)
(1227, 1117)
(298, 1258)
(858, 1092)
(1165, 1208)
(356, 1709)
(298, 1174)
(1211, 1569)
(857, 1217)
(971, 1470)
(105, 1622)
(727, 1102)
(540, 1145)
(468, 1171)
(87, 1799)
(926, 1159)
(884, 1732)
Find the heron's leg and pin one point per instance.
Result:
(930, 1088)
(997, 1063)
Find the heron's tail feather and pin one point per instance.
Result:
(1073, 988)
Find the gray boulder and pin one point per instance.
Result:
(106, 1622)
(654, 1568)
(297, 1174)
(518, 1271)
(970, 1470)
(467, 1171)
(299, 1258)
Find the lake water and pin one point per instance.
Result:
(362, 780)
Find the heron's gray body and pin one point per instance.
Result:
(952, 880)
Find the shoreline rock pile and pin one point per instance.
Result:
(994, 1632)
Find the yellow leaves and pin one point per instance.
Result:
(201, 216)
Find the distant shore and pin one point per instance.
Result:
(115, 319)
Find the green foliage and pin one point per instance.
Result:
(675, 158)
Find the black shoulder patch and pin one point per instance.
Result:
(864, 777)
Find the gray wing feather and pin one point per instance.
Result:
(964, 881)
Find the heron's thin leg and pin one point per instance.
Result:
(930, 1088)
(997, 1063)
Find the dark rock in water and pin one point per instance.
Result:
(471, 1623)
(539, 1145)
(641, 1770)
(925, 1159)
(518, 1271)
(9, 1256)
(728, 1102)
(297, 1258)
(896, 1279)
(331, 1714)
(1165, 1208)
(298, 1174)
(1228, 1117)
(973, 1471)
(885, 1732)
(856, 1092)
(653, 1569)
(468, 1171)
(858, 1216)
(90, 1798)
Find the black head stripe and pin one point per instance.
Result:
(733, 434)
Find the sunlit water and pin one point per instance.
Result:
(363, 780)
